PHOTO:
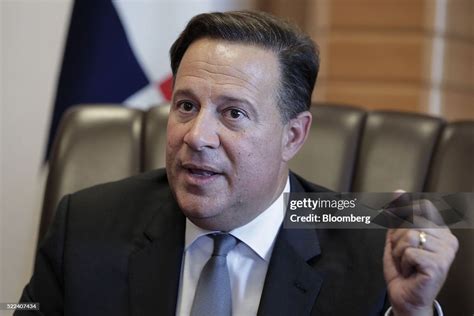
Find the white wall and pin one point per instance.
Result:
(32, 36)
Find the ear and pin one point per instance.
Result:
(296, 132)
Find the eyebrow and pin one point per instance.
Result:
(232, 99)
(185, 93)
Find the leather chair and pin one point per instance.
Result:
(349, 149)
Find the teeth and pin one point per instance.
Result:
(203, 173)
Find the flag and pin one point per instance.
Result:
(117, 51)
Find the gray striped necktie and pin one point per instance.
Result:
(213, 296)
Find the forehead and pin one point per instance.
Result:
(245, 65)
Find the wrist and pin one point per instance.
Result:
(438, 311)
(426, 311)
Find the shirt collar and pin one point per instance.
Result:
(269, 221)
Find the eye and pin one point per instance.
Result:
(185, 106)
(235, 114)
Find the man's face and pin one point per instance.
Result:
(225, 148)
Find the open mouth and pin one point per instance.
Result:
(201, 172)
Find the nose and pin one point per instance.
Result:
(203, 132)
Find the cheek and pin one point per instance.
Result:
(260, 155)
(257, 171)
(174, 142)
(174, 135)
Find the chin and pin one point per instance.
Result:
(197, 207)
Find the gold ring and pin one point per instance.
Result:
(422, 242)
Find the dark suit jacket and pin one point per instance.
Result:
(116, 249)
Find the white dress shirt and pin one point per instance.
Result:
(247, 262)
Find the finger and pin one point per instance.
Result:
(445, 247)
(406, 206)
(426, 209)
(398, 234)
(426, 224)
(400, 205)
(389, 265)
(401, 233)
(434, 231)
(404, 213)
(433, 266)
(412, 239)
(437, 232)
(418, 260)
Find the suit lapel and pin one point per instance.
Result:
(292, 285)
(155, 266)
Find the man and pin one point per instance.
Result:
(204, 237)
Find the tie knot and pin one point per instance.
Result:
(223, 243)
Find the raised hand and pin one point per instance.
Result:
(416, 261)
